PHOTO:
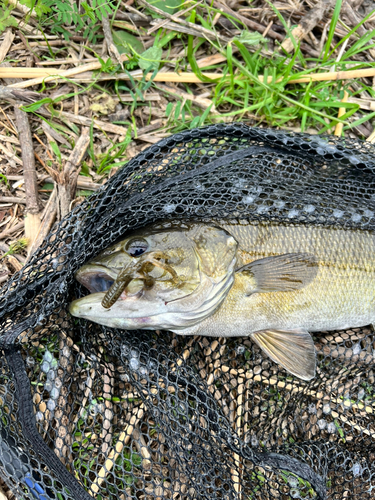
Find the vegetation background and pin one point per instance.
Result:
(86, 85)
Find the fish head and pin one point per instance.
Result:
(169, 276)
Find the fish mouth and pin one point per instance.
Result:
(96, 278)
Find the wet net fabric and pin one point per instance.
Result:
(89, 411)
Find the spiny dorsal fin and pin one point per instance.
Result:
(282, 273)
(292, 349)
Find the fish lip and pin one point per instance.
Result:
(75, 307)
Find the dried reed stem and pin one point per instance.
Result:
(123, 440)
(38, 75)
(339, 126)
(108, 385)
(187, 352)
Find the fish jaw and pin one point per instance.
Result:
(127, 313)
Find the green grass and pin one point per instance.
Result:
(238, 94)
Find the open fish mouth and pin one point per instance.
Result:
(95, 278)
(138, 271)
(98, 278)
(98, 282)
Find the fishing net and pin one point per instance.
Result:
(89, 411)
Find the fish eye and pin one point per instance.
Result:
(136, 247)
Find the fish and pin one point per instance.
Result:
(275, 282)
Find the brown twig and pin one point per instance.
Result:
(27, 47)
(46, 149)
(9, 232)
(135, 14)
(181, 28)
(348, 11)
(6, 44)
(10, 154)
(101, 125)
(55, 135)
(175, 17)
(179, 23)
(32, 219)
(18, 96)
(86, 122)
(253, 25)
(29, 172)
(12, 199)
(66, 181)
(112, 49)
(199, 101)
(308, 23)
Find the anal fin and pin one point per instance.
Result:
(294, 350)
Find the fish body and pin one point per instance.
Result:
(342, 295)
(274, 282)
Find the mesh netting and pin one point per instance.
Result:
(89, 411)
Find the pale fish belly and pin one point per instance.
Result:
(341, 296)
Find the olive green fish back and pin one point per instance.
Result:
(88, 411)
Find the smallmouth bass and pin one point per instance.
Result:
(274, 282)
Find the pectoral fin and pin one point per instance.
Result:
(281, 273)
(292, 349)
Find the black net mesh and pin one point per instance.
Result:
(89, 411)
